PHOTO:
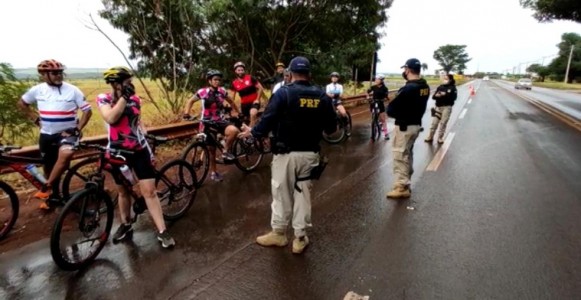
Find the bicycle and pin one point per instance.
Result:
(9, 211)
(248, 153)
(79, 174)
(375, 122)
(343, 132)
(88, 207)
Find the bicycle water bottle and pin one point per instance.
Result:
(33, 170)
(128, 174)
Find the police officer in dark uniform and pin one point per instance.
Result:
(407, 108)
(297, 115)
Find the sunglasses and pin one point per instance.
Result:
(56, 73)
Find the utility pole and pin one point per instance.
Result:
(569, 64)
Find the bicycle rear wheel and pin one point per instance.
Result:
(9, 207)
(176, 187)
(248, 156)
(81, 229)
(198, 155)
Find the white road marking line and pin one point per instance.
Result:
(463, 113)
(469, 100)
(439, 157)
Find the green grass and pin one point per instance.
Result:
(559, 85)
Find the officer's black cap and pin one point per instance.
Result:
(413, 63)
(300, 64)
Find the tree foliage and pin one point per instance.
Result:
(176, 41)
(541, 71)
(548, 10)
(558, 66)
(13, 124)
(452, 58)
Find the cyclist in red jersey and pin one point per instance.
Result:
(121, 110)
(250, 91)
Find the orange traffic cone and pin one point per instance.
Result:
(472, 93)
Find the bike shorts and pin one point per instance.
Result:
(246, 107)
(140, 162)
(49, 145)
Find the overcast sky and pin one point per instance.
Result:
(499, 34)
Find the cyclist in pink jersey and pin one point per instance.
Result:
(213, 115)
(121, 110)
(58, 103)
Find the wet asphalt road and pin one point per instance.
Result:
(500, 218)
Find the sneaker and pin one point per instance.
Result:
(273, 238)
(440, 141)
(399, 192)
(124, 231)
(44, 193)
(429, 140)
(216, 176)
(44, 205)
(228, 156)
(299, 244)
(165, 239)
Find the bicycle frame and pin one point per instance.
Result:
(18, 164)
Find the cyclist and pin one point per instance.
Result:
(58, 103)
(380, 93)
(121, 110)
(213, 109)
(335, 90)
(250, 91)
(286, 80)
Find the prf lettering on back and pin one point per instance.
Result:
(424, 92)
(309, 103)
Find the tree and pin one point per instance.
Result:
(177, 40)
(424, 67)
(452, 58)
(548, 10)
(13, 124)
(540, 70)
(558, 66)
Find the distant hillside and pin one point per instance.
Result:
(71, 73)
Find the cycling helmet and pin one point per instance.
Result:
(334, 74)
(117, 74)
(380, 77)
(239, 64)
(49, 65)
(211, 73)
(279, 64)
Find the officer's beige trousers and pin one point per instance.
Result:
(286, 200)
(445, 112)
(403, 155)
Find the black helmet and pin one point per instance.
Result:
(212, 73)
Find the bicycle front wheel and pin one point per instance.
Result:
(81, 229)
(9, 207)
(198, 155)
(176, 187)
(375, 128)
(248, 155)
(337, 136)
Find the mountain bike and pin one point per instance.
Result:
(90, 211)
(375, 122)
(248, 152)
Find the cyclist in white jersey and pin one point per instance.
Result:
(335, 90)
(58, 103)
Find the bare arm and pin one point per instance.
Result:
(85, 117)
(27, 110)
(190, 103)
(260, 91)
(233, 104)
(112, 114)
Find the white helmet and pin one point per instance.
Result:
(380, 77)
